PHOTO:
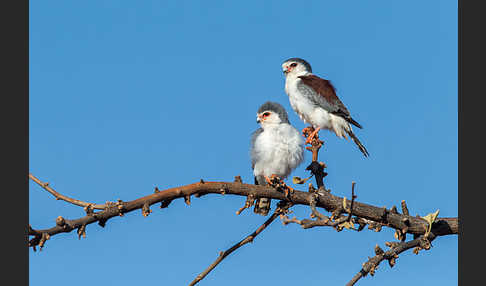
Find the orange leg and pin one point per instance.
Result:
(312, 135)
(288, 189)
(269, 180)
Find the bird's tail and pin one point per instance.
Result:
(262, 205)
(356, 140)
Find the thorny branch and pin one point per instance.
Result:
(391, 255)
(375, 217)
(358, 213)
(339, 221)
(281, 209)
(324, 200)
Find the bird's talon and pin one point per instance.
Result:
(312, 136)
(291, 190)
(307, 130)
(268, 180)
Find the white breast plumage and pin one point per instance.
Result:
(277, 150)
(300, 99)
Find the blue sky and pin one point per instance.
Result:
(129, 95)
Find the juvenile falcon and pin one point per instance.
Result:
(276, 148)
(314, 100)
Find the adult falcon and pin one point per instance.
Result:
(314, 100)
(275, 149)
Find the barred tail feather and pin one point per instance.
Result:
(356, 140)
(262, 206)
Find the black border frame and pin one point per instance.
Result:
(15, 119)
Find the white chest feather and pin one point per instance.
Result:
(301, 102)
(277, 150)
(312, 109)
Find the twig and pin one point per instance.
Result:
(391, 255)
(306, 223)
(316, 168)
(283, 206)
(248, 203)
(58, 196)
(325, 221)
(316, 143)
(315, 212)
(404, 208)
(352, 200)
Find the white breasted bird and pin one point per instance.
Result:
(314, 100)
(276, 148)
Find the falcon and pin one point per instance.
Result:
(276, 149)
(314, 100)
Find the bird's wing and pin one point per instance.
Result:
(252, 146)
(327, 97)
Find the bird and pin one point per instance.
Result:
(276, 149)
(314, 99)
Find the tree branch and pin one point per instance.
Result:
(58, 196)
(281, 209)
(413, 225)
(391, 255)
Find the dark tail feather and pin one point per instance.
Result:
(356, 140)
(352, 121)
(262, 205)
(347, 117)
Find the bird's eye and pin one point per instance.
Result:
(266, 114)
(293, 65)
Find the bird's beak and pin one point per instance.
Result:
(287, 69)
(259, 119)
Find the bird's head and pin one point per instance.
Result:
(296, 66)
(271, 113)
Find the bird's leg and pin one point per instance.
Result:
(273, 180)
(312, 135)
(269, 181)
(287, 189)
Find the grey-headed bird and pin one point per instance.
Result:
(314, 100)
(276, 148)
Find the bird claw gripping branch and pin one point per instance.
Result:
(280, 185)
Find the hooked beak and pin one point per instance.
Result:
(259, 119)
(287, 69)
